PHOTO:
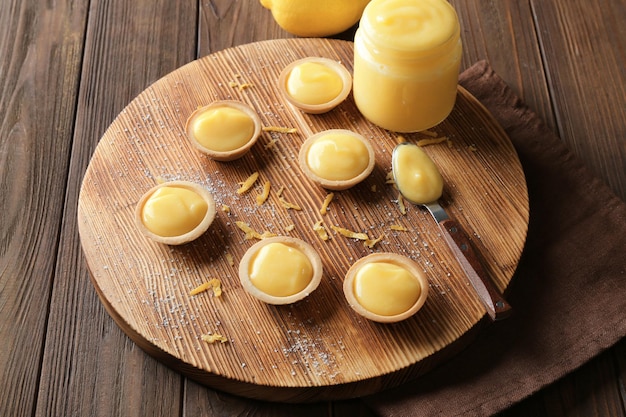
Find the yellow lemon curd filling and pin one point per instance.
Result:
(411, 25)
(386, 289)
(223, 129)
(406, 63)
(416, 175)
(337, 157)
(280, 270)
(313, 83)
(173, 211)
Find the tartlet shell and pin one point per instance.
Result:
(335, 184)
(343, 73)
(393, 258)
(225, 155)
(189, 236)
(307, 249)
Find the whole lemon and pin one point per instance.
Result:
(307, 18)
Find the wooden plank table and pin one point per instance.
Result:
(69, 67)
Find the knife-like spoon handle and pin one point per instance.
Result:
(497, 307)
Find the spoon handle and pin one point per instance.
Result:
(497, 307)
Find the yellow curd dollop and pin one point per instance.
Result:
(386, 289)
(416, 175)
(223, 129)
(337, 157)
(173, 211)
(280, 270)
(410, 25)
(314, 83)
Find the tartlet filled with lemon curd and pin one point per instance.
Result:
(280, 270)
(224, 130)
(175, 212)
(385, 287)
(337, 159)
(315, 85)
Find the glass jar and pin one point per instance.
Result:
(407, 55)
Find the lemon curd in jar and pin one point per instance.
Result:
(280, 270)
(386, 289)
(173, 211)
(406, 63)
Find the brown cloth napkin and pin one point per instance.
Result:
(568, 293)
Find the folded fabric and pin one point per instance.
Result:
(568, 293)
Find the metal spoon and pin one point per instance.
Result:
(497, 307)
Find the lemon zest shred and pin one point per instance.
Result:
(250, 232)
(433, 141)
(398, 228)
(401, 204)
(200, 288)
(261, 198)
(321, 230)
(248, 183)
(430, 133)
(349, 233)
(370, 243)
(214, 337)
(214, 284)
(326, 203)
(279, 129)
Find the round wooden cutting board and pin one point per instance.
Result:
(316, 349)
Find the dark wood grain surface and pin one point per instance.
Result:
(67, 68)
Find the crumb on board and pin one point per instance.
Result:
(472, 148)
(326, 203)
(238, 84)
(214, 337)
(290, 227)
(248, 183)
(225, 209)
(230, 259)
(389, 178)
